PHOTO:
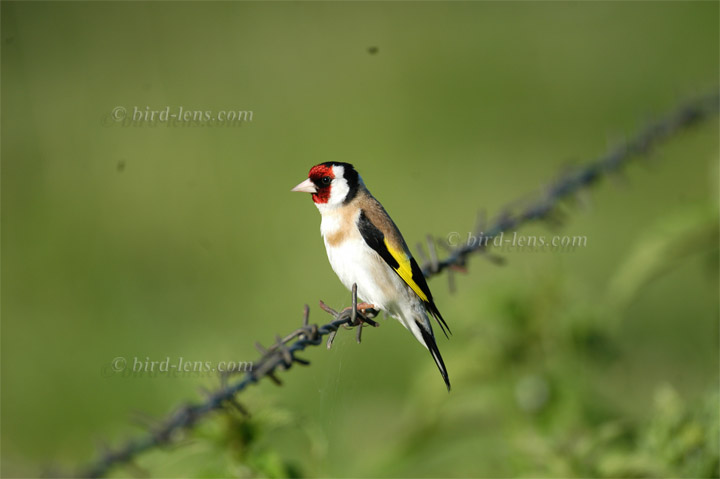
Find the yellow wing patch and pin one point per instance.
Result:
(404, 269)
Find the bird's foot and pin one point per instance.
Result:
(365, 308)
(362, 316)
(365, 313)
(357, 315)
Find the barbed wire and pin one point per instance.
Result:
(282, 354)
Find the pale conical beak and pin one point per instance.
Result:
(306, 186)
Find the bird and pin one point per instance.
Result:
(366, 248)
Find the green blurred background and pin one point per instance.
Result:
(184, 241)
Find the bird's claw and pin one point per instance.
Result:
(365, 313)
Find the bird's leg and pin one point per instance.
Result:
(360, 315)
(362, 307)
(366, 311)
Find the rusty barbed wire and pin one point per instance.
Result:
(282, 354)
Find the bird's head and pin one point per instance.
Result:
(331, 184)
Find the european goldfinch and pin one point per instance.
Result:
(366, 248)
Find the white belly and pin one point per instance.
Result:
(356, 263)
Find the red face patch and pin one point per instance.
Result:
(321, 176)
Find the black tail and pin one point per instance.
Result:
(432, 309)
(432, 347)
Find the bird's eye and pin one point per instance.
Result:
(325, 180)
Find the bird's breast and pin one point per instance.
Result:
(338, 226)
